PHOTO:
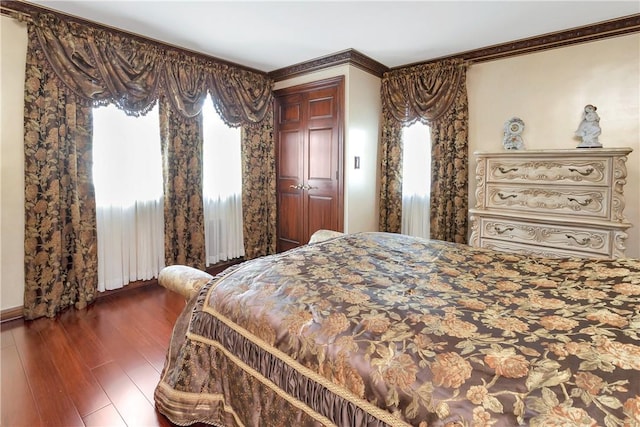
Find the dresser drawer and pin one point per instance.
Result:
(592, 202)
(551, 203)
(562, 237)
(568, 171)
(538, 251)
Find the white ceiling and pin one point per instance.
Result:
(268, 35)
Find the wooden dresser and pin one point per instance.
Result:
(552, 203)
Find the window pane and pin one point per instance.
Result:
(127, 159)
(416, 180)
(127, 174)
(416, 160)
(222, 187)
(222, 174)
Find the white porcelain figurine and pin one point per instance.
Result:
(589, 129)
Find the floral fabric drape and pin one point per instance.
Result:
(100, 66)
(449, 173)
(435, 94)
(186, 85)
(259, 188)
(390, 174)
(104, 66)
(72, 68)
(181, 141)
(241, 97)
(60, 214)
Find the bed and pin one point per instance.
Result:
(380, 329)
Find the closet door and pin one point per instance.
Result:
(309, 144)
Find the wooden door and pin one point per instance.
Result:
(309, 157)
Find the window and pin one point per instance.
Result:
(222, 187)
(127, 176)
(416, 180)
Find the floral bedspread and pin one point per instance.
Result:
(385, 329)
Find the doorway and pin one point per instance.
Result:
(309, 160)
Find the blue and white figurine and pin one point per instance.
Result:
(513, 129)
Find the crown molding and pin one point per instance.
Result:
(616, 27)
(349, 56)
(606, 29)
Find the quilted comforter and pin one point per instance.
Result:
(376, 329)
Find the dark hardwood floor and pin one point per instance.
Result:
(94, 367)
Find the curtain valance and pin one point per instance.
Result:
(240, 96)
(102, 67)
(422, 92)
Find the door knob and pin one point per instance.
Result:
(303, 187)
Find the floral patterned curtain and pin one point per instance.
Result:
(436, 94)
(60, 214)
(104, 66)
(241, 97)
(100, 66)
(186, 84)
(449, 173)
(181, 140)
(73, 67)
(259, 188)
(390, 174)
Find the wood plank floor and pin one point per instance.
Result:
(95, 367)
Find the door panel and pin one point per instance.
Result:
(290, 220)
(289, 155)
(320, 154)
(291, 112)
(321, 108)
(290, 196)
(321, 180)
(309, 128)
(321, 213)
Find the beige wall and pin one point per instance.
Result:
(13, 48)
(362, 117)
(549, 90)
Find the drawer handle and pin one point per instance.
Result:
(508, 196)
(587, 172)
(583, 242)
(503, 170)
(502, 230)
(585, 203)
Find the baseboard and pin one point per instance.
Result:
(17, 312)
(128, 287)
(221, 266)
(11, 314)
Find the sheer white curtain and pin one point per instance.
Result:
(127, 174)
(222, 188)
(416, 180)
